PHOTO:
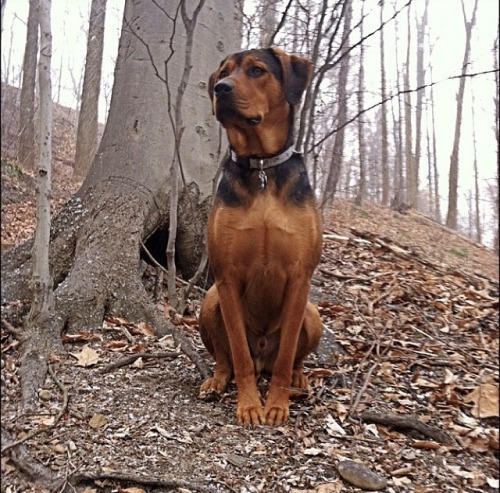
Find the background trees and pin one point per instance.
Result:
(410, 167)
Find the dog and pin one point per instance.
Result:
(264, 237)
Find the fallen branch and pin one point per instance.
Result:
(407, 254)
(408, 422)
(139, 479)
(127, 360)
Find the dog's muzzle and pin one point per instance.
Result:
(225, 108)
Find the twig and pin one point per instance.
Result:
(64, 391)
(133, 357)
(409, 422)
(353, 407)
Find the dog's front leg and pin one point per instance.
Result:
(249, 410)
(277, 401)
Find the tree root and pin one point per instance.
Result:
(37, 431)
(127, 360)
(25, 463)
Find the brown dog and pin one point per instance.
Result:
(264, 237)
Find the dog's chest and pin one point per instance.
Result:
(266, 234)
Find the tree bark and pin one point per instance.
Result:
(452, 215)
(86, 136)
(27, 144)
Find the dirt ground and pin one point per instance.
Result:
(405, 381)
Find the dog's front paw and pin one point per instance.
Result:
(276, 414)
(276, 407)
(212, 388)
(250, 415)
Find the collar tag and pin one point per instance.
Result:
(262, 176)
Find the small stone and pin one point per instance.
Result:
(97, 421)
(45, 395)
(359, 475)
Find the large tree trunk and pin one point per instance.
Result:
(27, 145)
(125, 198)
(86, 136)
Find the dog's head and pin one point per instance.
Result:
(258, 86)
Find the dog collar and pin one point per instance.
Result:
(267, 162)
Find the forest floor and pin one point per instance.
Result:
(404, 383)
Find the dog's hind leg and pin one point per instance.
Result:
(214, 336)
(308, 342)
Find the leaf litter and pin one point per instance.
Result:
(409, 357)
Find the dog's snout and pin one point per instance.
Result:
(223, 87)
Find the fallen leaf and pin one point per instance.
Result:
(485, 400)
(146, 329)
(138, 363)
(86, 357)
(97, 421)
(131, 490)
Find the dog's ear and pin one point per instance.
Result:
(211, 84)
(297, 73)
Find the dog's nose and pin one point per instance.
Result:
(223, 87)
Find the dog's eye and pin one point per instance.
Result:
(255, 71)
(223, 74)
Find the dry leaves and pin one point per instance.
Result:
(86, 357)
(485, 401)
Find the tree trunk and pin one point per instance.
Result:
(86, 136)
(125, 199)
(437, 198)
(478, 230)
(452, 216)
(338, 147)
(27, 144)
(42, 306)
(3, 4)
(361, 190)
(411, 184)
(268, 21)
(496, 187)
(398, 182)
(384, 144)
(421, 30)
